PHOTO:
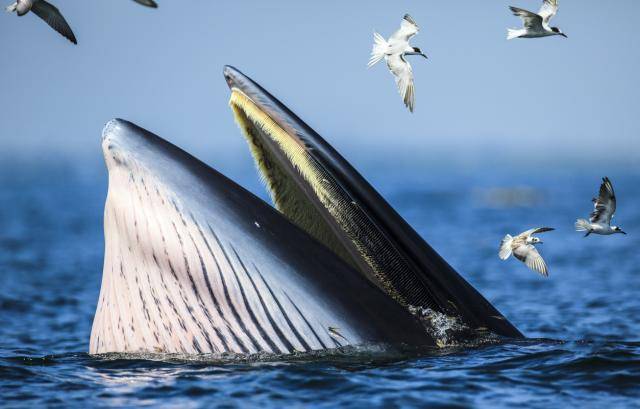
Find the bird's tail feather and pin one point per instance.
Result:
(505, 247)
(379, 48)
(512, 33)
(12, 7)
(582, 225)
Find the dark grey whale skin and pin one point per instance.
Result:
(320, 282)
(434, 282)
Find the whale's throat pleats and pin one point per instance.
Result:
(172, 283)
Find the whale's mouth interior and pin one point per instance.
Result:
(304, 190)
(296, 183)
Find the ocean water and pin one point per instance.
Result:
(582, 323)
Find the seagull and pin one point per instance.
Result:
(604, 208)
(536, 25)
(46, 11)
(148, 3)
(522, 247)
(393, 51)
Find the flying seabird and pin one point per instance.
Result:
(46, 11)
(604, 208)
(394, 51)
(522, 247)
(536, 25)
(148, 3)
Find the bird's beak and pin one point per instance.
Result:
(564, 35)
(424, 55)
(623, 232)
(541, 242)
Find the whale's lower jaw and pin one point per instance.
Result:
(196, 264)
(172, 285)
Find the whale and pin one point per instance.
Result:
(196, 264)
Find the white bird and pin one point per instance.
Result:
(394, 51)
(604, 208)
(148, 3)
(46, 11)
(536, 25)
(523, 248)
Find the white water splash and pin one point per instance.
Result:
(444, 329)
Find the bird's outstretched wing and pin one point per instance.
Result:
(528, 254)
(408, 28)
(403, 74)
(52, 16)
(529, 19)
(605, 204)
(548, 10)
(534, 261)
(148, 3)
(535, 230)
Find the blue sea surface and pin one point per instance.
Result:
(582, 323)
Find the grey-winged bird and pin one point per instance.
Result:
(523, 248)
(46, 11)
(394, 51)
(536, 25)
(148, 3)
(604, 208)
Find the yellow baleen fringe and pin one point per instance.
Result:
(342, 209)
(294, 151)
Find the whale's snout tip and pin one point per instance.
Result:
(118, 141)
(111, 129)
(232, 76)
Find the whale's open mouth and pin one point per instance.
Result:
(299, 184)
(317, 189)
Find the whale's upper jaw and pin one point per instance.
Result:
(316, 188)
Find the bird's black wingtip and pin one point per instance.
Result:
(147, 3)
(409, 18)
(71, 37)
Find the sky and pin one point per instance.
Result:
(480, 100)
